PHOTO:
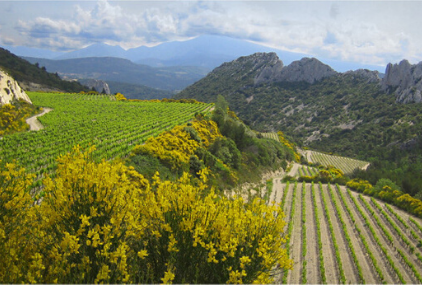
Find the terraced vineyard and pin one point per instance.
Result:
(273, 136)
(347, 165)
(339, 236)
(114, 127)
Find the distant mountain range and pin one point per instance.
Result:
(206, 51)
(172, 78)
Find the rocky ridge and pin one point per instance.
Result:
(405, 80)
(10, 90)
(307, 69)
(371, 76)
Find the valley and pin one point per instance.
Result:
(174, 152)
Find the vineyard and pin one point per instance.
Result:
(340, 236)
(347, 165)
(114, 127)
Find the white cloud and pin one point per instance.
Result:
(371, 32)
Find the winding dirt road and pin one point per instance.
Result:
(34, 124)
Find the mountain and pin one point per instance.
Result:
(31, 77)
(136, 91)
(251, 71)
(312, 103)
(208, 51)
(123, 70)
(95, 50)
(405, 80)
(32, 52)
(344, 113)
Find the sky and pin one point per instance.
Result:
(367, 32)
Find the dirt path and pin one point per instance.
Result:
(294, 171)
(294, 275)
(330, 264)
(363, 258)
(349, 267)
(34, 124)
(312, 256)
(373, 246)
(380, 235)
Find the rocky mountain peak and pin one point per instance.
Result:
(405, 80)
(370, 75)
(10, 90)
(307, 69)
(268, 68)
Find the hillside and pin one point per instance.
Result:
(124, 71)
(343, 113)
(34, 77)
(136, 91)
(153, 185)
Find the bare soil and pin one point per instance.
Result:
(34, 124)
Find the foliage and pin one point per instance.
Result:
(344, 114)
(388, 191)
(15, 222)
(175, 147)
(224, 144)
(120, 97)
(114, 127)
(289, 145)
(12, 117)
(325, 175)
(104, 222)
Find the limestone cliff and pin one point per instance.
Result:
(405, 80)
(369, 75)
(10, 90)
(307, 69)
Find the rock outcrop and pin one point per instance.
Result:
(270, 71)
(369, 75)
(307, 69)
(405, 80)
(99, 85)
(10, 90)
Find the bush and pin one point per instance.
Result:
(103, 222)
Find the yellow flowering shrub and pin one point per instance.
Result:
(104, 223)
(88, 214)
(175, 147)
(208, 240)
(12, 117)
(15, 218)
(120, 97)
(289, 145)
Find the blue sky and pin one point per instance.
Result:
(367, 32)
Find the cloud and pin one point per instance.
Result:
(371, 32)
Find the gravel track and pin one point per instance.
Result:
(294, 275)
(331, 267)
(312, 255)
(365, 263)
(349, 268)
(393, 254)
(34, 124)
(382, 262)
